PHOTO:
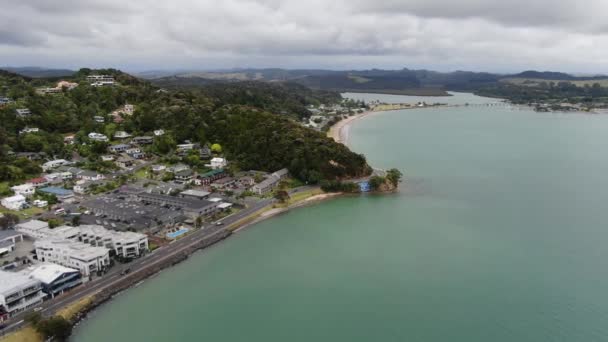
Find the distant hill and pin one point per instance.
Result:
(404, 81)
(37, 72)
(390, 81)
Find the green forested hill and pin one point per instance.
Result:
(277, 97)
(247, 121)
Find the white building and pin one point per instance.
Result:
(18, 293)
(128, 109)
(69, 253)
(121, 135)
(40, 203)
(14, 202)
(159, 132)
(100, 80)
(98, 137)
(270, 183)
(218, 163)
(59, 176)
(25, 190)
(34, 228)
(8, 239)
(124, 244)
(54, 163)
(29, 130)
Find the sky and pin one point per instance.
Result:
(447, 35)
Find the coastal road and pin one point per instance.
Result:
(50, 307)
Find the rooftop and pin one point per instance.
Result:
(48, 272)
(33, 225)
(9, 233)
(195, 193)
(57, 191)
(11, 280)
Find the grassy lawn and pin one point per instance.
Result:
(23, 214)
(142, 173)
(27, 334)
(70, 311)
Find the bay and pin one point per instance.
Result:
(498, 234)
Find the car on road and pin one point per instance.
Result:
(219, 223)
(125, 271)
(38, 309)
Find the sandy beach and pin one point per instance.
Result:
(340, 131)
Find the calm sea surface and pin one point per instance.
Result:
(499, 234)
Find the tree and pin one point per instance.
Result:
(199, 222)
(76, 221)
(375, 182)
(394, 176)
(8, 221)
(282, 196)
(54, 222)
(216, 148)
(33, 318)
(56, 328)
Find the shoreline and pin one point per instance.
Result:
(136, 277)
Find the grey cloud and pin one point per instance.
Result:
(472, 34)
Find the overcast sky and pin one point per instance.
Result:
(488, 35)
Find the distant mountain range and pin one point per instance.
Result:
(404, 81)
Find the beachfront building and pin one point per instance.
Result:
(189, 206)
(124, 244)
(69, 253)
(18, 292)
(270, 183)
(55, 279)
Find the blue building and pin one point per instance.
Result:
(56, 279)
(61, 193)
(365, 187)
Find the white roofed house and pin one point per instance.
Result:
(159, 132)
(121, 135)
(27, 130)
(55, 279)
(218, 163)
(18, 292)
(23, 112)
(16, 202)
(54, 163)
(90, 175)
(26, 189)
(100, 80)
(98, 137)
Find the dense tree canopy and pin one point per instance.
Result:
(249, 122)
